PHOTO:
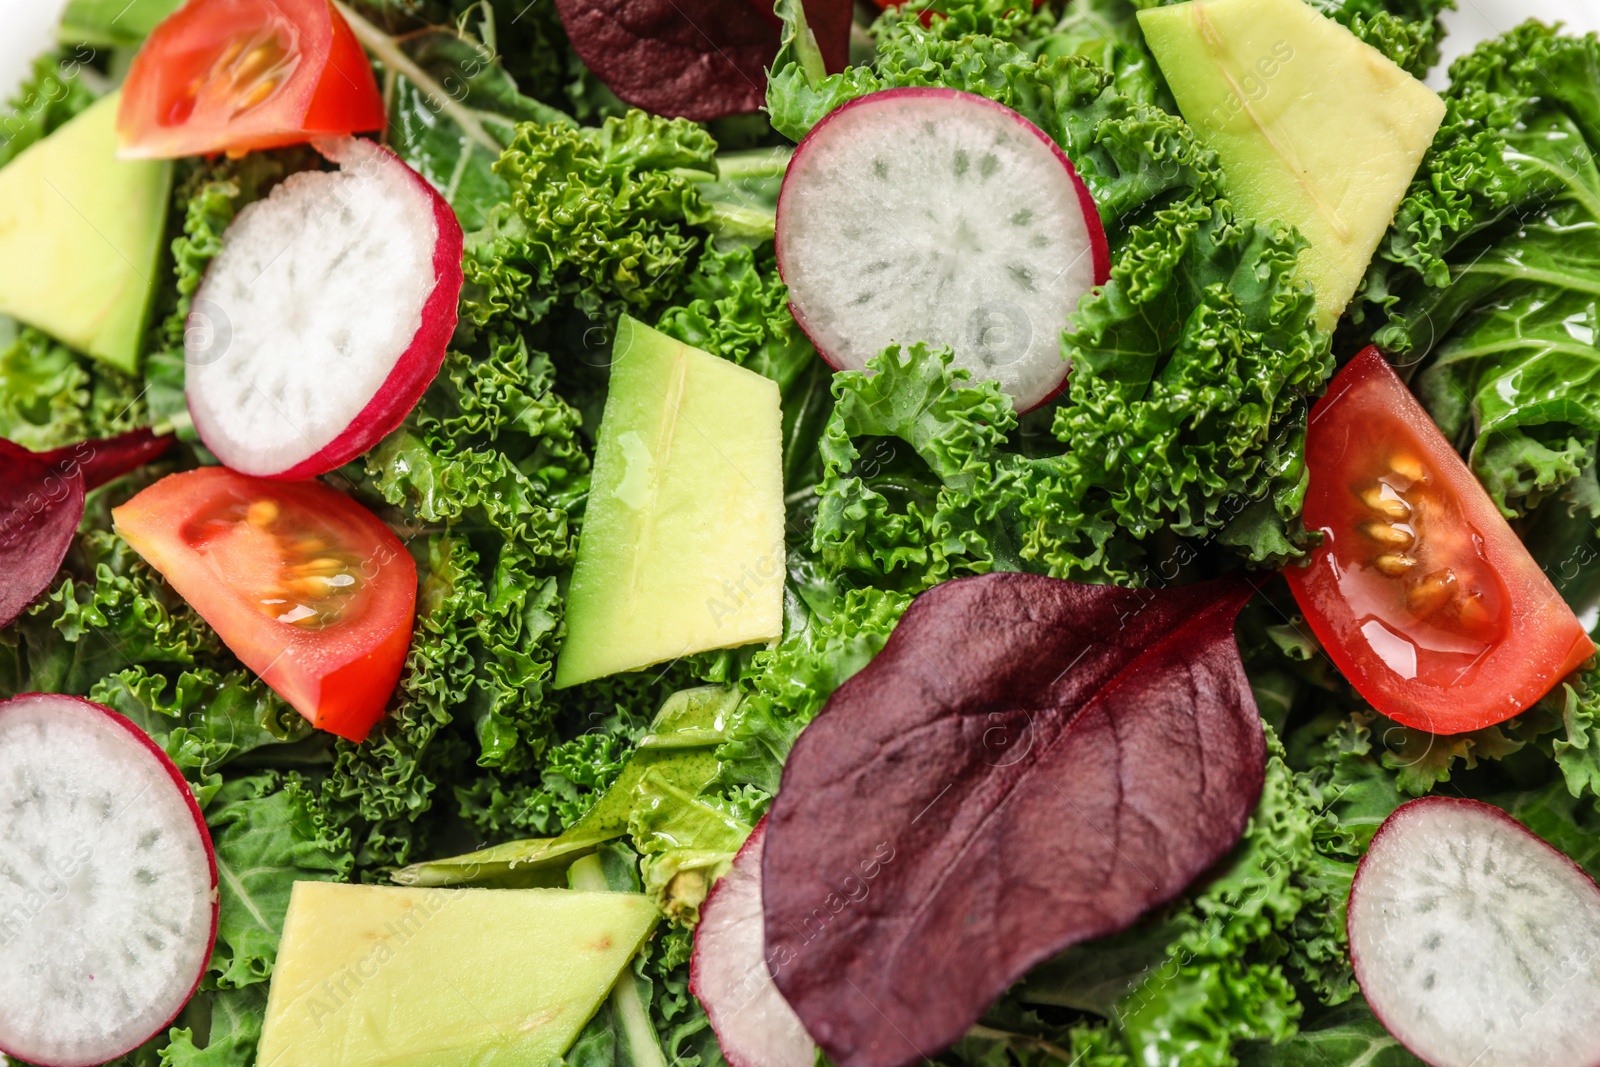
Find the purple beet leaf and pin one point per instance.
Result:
(698, 59)
(41, 504)
(110, 457)
(1029, 763)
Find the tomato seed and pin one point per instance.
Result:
(1394, 564)
(1407, 466)
(1386, 502)
(261, 514)
(1385, 533)
(1432, 592)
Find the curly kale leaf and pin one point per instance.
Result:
(52, 96)
(576, 773)
(1107, 31)
(108, 611)
(209, 718)
(383, 788)
(1484, 278)
(1577, 753)
(492, 446)
(50, 396)
(919, 485)
(594, 219)
(492, 456)
(1191, 372)
(914, 508)
(788, 685)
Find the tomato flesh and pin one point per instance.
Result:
(308, 588)
(1421, 593)
(237, 75)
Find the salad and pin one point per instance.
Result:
(679, 534)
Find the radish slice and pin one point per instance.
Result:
(108, 885)
(325, 316)
(728, 972)
(1476, 942)
(925, 214)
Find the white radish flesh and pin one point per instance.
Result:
(1475, 942)
(754, 1025)
(325, 315)
(108, 886)
(926, 214)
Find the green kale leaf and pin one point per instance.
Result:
(269, 832)
(825, 642)
(1191, 372)
(50, 396)
(233, 1020)
(1349, 1034)
(1484, 278)
(594, 219)
(53, 94)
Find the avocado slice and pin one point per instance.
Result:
(369, 974)
(80, 237)
(682, 543)
(113, 23)
(1313, 127)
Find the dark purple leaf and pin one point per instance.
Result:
(40, 506)
(1029, 763)
(110, 457)
(698, 59)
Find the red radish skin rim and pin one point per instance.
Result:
(194, 812)
(1100, 247)
(697, 955)
(414, 370)
(697, 964)
(1401, 814)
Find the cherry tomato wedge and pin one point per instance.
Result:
(236, 75)
(308, 588)
(1421, 593)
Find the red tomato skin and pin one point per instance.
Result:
(332, 90)
(339, 677)
(1542, 641)
(334, 109)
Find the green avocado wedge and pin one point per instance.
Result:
(375, 975)
(1312, 126)
(682, 543)
(80, 237)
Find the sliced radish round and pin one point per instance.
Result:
(325, 315)
(926, 214)
(1475, 942)
(108, 885)
(728, 972)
